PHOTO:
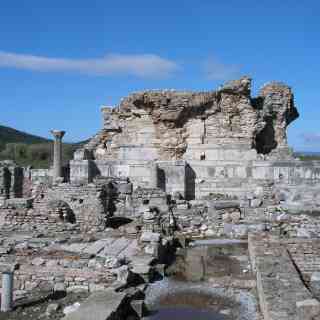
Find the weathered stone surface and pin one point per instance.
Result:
(139, 307)
(101, 305)
(281, 292)
(52, 308)
(308, 309)
(150, 237)
(315, 284)
(167, 122)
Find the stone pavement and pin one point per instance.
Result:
(115, 247)
(101, 305)
(282, 294)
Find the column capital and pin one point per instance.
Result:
(58, 134)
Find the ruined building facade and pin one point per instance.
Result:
(197, 143)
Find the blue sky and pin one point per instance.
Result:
(61, 60)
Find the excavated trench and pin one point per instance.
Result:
(210, 280)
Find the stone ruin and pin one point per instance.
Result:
(169, 169)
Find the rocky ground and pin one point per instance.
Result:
(44, 305)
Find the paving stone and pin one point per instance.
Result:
(101, 305)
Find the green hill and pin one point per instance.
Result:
(30, 150)
(10, 135)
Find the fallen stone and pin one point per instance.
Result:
(235, 216)
(226, 217)
(148, 236)
(225, 312)
(96, 287)
(182, 206)
(69, 309)
(303, 233)
(142, 260)
(141, 269)
(307, 309)
(204, 227)
(116, 247)
(112, 262)
(315, 284)
(256, 203)
(222, 204)
(210, 233)
(152, 249)
(139, 307)
(59, 287)
(196, 222)
(122, 274)
(101, 305)
(52, 308)
(95, 247)
(38, 261)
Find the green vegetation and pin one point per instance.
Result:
(307, 156)
(30, 150)
(9, 135)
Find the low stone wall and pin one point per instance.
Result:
(54, 207)
(87, 203)
(237, 177)
(306, 255)
(12, 219)
(171, 174)
(282, 294)
(75, 271)
(195, 179)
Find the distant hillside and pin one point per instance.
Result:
(30, 150)
(307, 155)
(10, 135)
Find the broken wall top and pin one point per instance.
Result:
(167, 124)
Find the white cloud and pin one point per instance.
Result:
(216, 70)
(143, 65)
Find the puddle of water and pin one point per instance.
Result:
(174, 300)
(190, 305)
(185, 313)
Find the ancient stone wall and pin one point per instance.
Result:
(168, 125)
(11, 180)
(86, 205)
(305, 254)
(75, 271)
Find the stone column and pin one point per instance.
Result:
(57, 154)
(153, 175)
(7, 291)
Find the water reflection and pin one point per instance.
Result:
(185, 313)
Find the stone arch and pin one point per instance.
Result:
(62, 210)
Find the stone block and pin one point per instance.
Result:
(256, 203)
(139, 307)
(235, 216)
(52, 308)
(122, 273)
(307, 309)
(100, 305)
(59, 287)
(148, 236)
(315, 284)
